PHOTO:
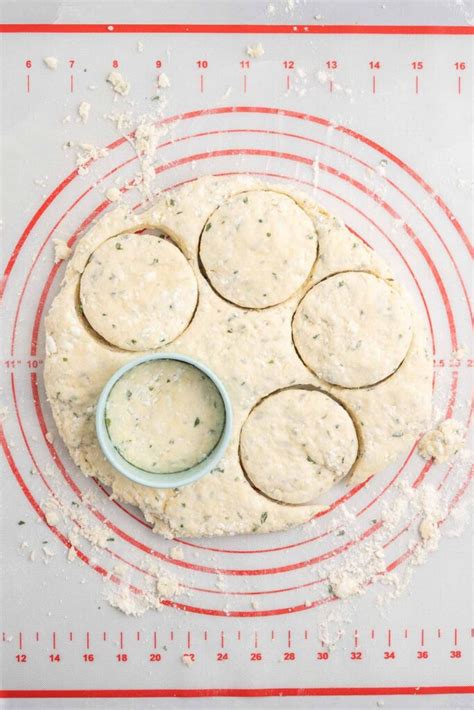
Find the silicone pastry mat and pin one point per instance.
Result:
(385, 112)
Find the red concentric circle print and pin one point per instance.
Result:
(393, 210)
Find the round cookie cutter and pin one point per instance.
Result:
(148, 478)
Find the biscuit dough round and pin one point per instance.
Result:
(353, 329)
(296, 444)
(250, 350)
(258, 248)
(138, 291)
(164, 416)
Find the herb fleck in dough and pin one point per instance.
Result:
(258, 248)
(353, 329)
(292, 457)
(250, 350)
(164, 416)
(138, 291)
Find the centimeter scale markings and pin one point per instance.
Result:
(373, 80)
(274, 646)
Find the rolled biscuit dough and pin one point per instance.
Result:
(138, 291)
(258, 248)
(294, 458)
(353, 329)
(251, 351)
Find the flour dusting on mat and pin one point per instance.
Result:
(61, 250)
(51, 62)
(163, 81)
(86, 153)
(256, 51)
(118, 82)
(443, 442)
(365, 563)
(113, 194)
(84, 110)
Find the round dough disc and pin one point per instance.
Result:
(138, 291)
(165, 416)
(353, 329)
(258, 248)
(296, 444)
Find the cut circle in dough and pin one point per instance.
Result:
(258, 248)
(138, 291)
(165, 416)
(353, 329)
(294, 457)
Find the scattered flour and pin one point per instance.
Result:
(365, 563)
(113, 194)
(316, 173)
(119, 84)
(83, 111)
(53, 518)
(345, 583)
(167, 586)
(432, 514)
(163, 81)
(123, 598)
(51, 62)
(86, 153)
(176, 553)
(147, 136)
(443, 442)
(120, 593)
(323, 76)
(256, 51)
(144, 135)
(61, 251)
(460, 353)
